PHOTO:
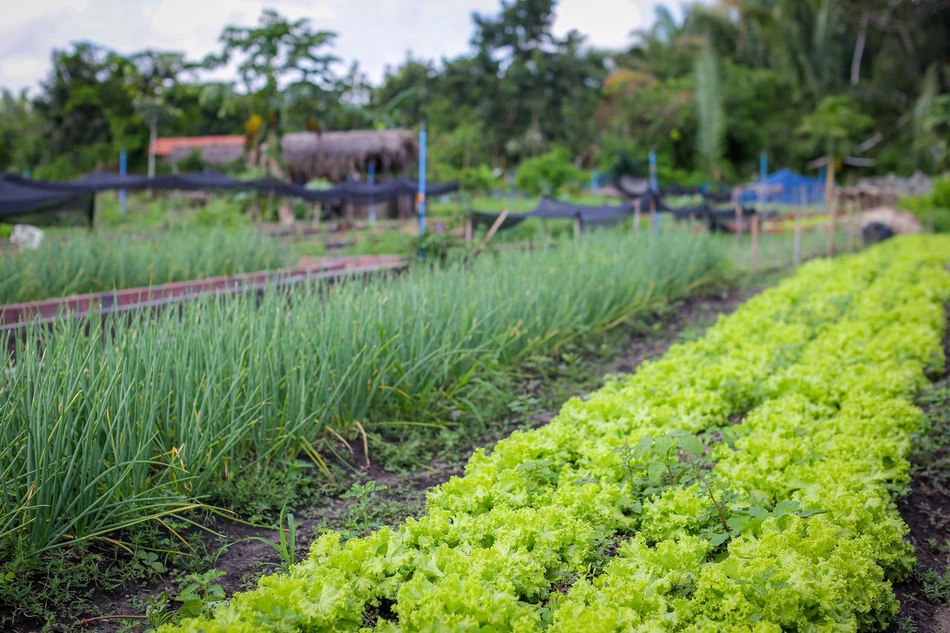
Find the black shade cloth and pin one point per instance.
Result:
(346, 192)
(206, 180)
(105, 181)
(678, 190)
(725, 196)
(19, 196)
(24, 201)
(705, 210)
(557, 210)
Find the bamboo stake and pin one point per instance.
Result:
(468, 230)
(692, 223)
(577, 227)
(491, 233)
(636, 218)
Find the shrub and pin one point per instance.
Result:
(550, 174)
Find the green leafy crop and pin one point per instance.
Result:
(750, 476)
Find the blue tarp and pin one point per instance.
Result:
(786, 187)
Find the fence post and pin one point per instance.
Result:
(636, 218)
(797, 240)
(654, 216)
(123, 171)
(738, 223)
(577, 227)
(422, 181)
(372, 201)
(755, 242)
(831, 228)
(468, 229)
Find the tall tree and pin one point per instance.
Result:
(87, 105)
(709, 108)
(834, 129)
(278, 56)
(156, 75)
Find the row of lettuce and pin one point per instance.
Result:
(748, 478)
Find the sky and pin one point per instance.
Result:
(376, 33)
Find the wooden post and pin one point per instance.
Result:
(577, 227)
(468, 229)
(797, 239)
(654, 222)
(738, 223)
(831, 231)
(636, 218)
(830, 202)
(755, 242)
(692, 223)
(849, 219)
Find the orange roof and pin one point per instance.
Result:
(165, 146)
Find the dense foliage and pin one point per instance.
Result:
(108, 427)
(749, 480)
(709, 91)
(932, 209)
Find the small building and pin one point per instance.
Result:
(214, 150)
(332, 156)
(339, 156)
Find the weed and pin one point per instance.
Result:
(936, 586)
(285, 545)
(197, 594)
(259, 495)
(906, 625)
(361, 519)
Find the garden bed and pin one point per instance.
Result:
(749, 480)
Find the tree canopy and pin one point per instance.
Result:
(708, 89)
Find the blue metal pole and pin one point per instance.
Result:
(653, 181)
(372, 181)
(123, 166)
(422, 182)
(593, 181)
(654, 187)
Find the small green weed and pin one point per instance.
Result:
(936, 586)
(285, 545)
(361, 519)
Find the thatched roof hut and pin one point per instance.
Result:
(335, 156)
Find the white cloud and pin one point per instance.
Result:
(374, 32)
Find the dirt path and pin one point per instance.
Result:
(925, 597)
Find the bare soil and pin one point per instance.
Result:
(925, 603)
